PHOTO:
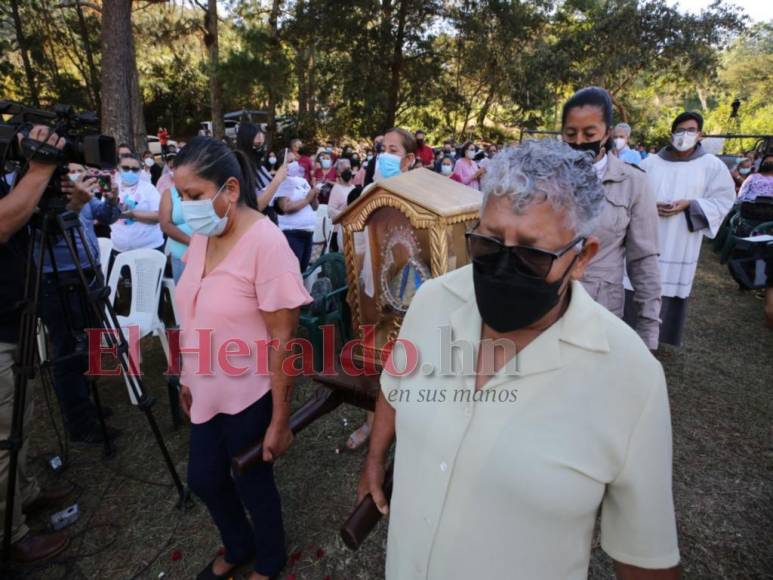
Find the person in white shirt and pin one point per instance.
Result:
(297, 202)
(547, 408)
(338, 199)
(138, 227)
(694, 193)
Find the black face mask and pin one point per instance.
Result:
(594, 147)
(509, 300)
(766, 167)
(419, 142)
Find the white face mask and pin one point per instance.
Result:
(470, 153)
(619, 143)
(684, 142)
(272, 160)
(201, 217)
(446, 169)
(149, 162)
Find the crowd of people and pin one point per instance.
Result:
(583, 243)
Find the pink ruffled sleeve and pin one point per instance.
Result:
(278, 280)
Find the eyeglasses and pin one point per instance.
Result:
(133, 169)
(530, 261)
(690, 131)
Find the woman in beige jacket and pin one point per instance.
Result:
(628, 229)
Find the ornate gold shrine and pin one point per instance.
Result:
(400, 232)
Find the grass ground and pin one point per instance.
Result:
(721, 390)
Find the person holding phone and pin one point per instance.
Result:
(70, 385)
(297, 203)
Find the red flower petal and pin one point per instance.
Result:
(176, 555)
(291, 577)
(295, 556)
(320, 553)
(221, 551)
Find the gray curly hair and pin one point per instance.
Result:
(547, 170)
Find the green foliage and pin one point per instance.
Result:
(455, 68)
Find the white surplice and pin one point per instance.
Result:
(704, 179)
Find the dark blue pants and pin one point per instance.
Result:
(213, 445)
(58, 302)
(300, 243)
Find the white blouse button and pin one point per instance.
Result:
(444, 466)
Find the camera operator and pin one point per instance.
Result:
(62, 306)
(16, 208)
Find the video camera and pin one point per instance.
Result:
(83, 143)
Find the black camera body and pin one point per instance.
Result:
(83, 142)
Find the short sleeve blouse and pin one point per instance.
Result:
(221, 318)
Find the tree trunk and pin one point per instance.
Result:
(620, 107)
(117, 58)
(93, 74)
(702, 98)
(484, 111)
(274, 51)
(396, 66)
(301, 66)
(139, 129)
(22, 41)
(215, 86)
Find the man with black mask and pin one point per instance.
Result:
(423, 152)
(556, 410)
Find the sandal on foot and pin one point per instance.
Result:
(208, 573)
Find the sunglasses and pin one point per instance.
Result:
(134, 169)
(533, 262)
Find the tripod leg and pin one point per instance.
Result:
(108, 443)
(173, 388)
(104, 317)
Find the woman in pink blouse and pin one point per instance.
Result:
(240, 292)
(466, 170)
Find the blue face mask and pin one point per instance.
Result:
(388, 165)
(130, 178)
(201, 217)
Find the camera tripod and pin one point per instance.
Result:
(99, 313)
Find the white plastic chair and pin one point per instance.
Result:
(105, 249)
(323, 233)
(146, 270)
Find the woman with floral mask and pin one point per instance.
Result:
(467, 169)
(241, 285)
(139, 201)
